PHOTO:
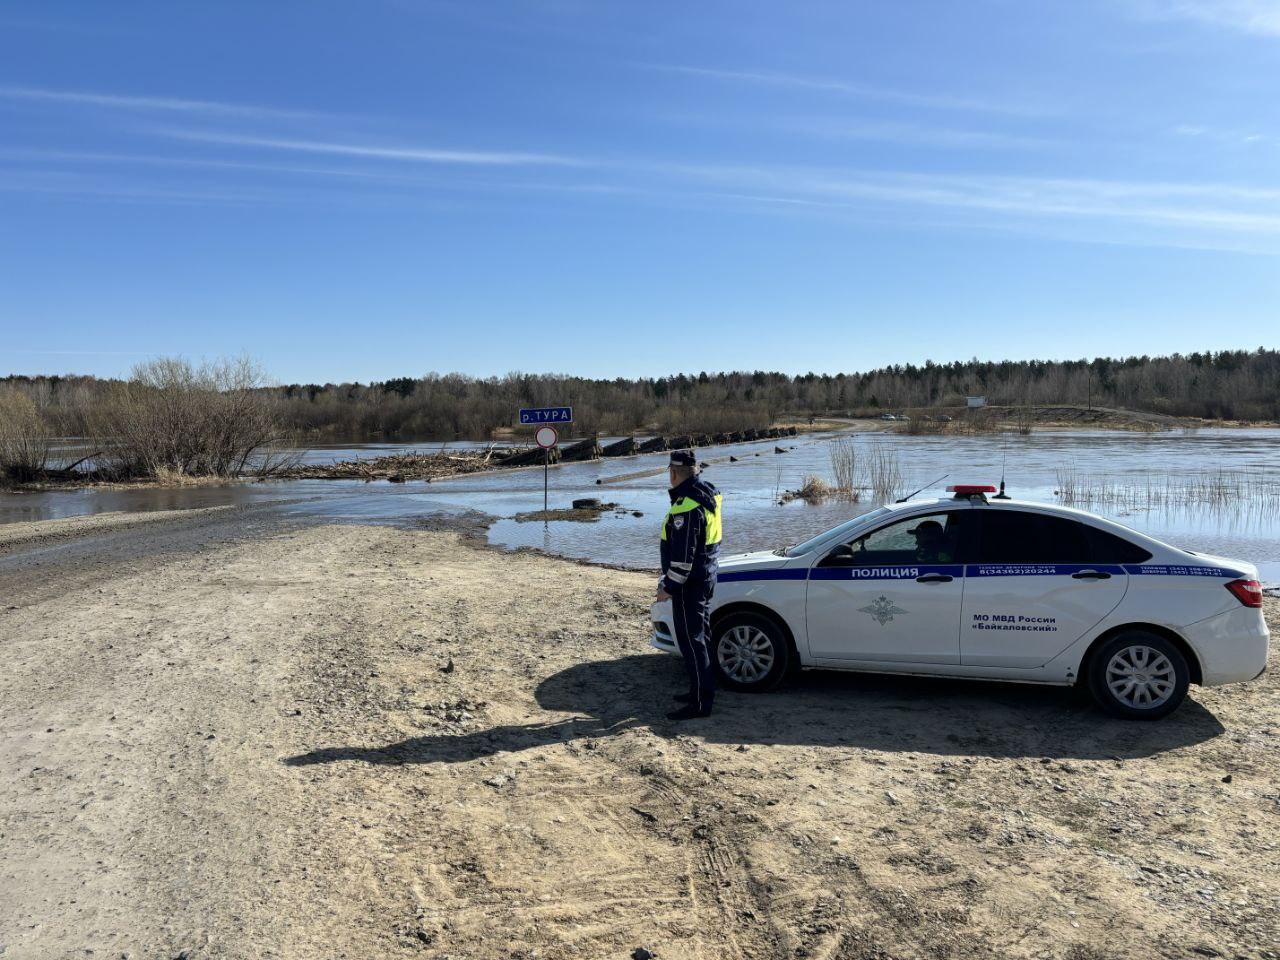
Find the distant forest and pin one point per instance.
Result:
(1231, 384)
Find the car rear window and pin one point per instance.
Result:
(1013, 536)
(1112, 549)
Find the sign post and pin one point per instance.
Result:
(547, 438)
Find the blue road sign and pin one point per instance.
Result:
(546, 415)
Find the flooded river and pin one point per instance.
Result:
(1125, 467)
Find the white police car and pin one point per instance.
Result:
(997, 589)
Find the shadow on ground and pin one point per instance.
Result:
(895, 714)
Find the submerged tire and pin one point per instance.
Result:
(750, 652)
(1139, 676)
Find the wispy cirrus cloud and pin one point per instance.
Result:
(1175, 214)
(911, 134)
(127, 193)
(1160, 213)
(93, 157)
(1248, 138)
(1252, 16)
(382, 152)
(114, 101)
(847, 89)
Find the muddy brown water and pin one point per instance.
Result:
(751, 483)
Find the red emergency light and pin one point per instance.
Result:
(966, 489)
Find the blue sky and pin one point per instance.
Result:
(385, 188)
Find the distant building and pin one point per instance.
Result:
(974, 402)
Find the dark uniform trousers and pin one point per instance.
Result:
(691, 610)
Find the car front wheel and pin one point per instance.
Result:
(750, 652)
(1139, 676)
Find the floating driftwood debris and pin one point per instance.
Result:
(400, 467)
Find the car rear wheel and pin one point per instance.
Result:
(1139, 676)
(750, 651)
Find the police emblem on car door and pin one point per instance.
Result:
(883, 610)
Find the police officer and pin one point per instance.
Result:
(690, 551)
(931, 542)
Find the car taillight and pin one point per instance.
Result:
(1248, 592)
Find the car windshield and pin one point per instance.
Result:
(799, 549)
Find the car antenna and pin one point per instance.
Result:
(1004, 459)
(925, 487)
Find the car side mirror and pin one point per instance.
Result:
(841, 554)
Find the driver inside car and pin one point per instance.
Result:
(931, 543)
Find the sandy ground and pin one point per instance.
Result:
(221, 736)
(42, 533)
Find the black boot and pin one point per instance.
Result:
(683, 698)
(689, 712)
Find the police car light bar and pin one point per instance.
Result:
(968, 489)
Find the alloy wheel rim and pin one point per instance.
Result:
(1141, 677)
(745, 654)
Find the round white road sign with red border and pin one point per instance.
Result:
(547, 437)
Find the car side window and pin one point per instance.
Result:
(1014, 536)
(1108, 548)
(936, 538)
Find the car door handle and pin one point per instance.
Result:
(934, 578)
(1091, 575)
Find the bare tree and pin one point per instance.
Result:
(25, 441)
(173, 418)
